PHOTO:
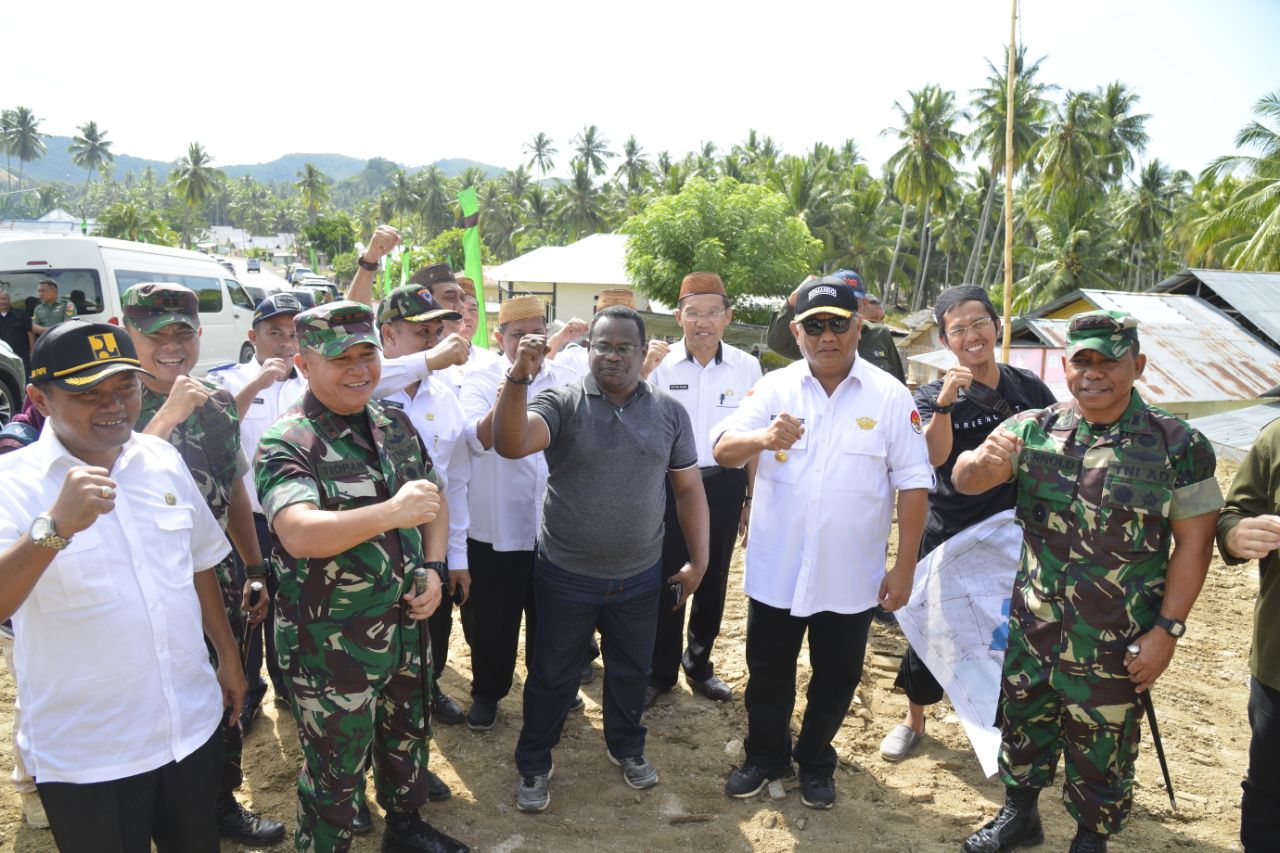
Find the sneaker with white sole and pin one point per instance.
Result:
(637, 772)
(898, 744)
(533, 793)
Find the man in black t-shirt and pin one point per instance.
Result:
(959, 411)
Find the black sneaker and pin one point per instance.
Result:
(437, 790)
(482, 715)
(749, 780)
(444, 709)
(407, 832)
(817, 790)
(239, 824)
(247, 715)
(577, 704)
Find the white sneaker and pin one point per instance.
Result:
(899, 742)
(33, 810)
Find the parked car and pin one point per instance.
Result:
(13, 379)
(257, 294)
(93, 272)
(227, 265)
(317, 283)
(300, 272)
(253, 265)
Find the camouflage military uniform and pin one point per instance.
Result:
(51, 315)
(344, 639)
(1095, 508)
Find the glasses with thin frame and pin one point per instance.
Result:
(977, 326)
(624, 350)
(695, 316)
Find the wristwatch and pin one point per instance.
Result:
(43, 533)
(1175, 627)
(371, 266)
(256, 570)
(439, 567)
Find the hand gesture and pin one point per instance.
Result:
(1254, 538)
(273, 370)
(783, 432)
(998, 449)
(572, 330)
(895, 589)
(186, 395)
(87, 492)
(384, 239)
(688, 577)
(422, 606)
(417, 503)
(529, 357)
(454, 349)
(654, 355)
(957, 377)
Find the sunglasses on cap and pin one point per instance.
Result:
(163, 303)
(351, 321)
(813, 327)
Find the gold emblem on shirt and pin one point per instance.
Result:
(781, 456)
(867, 423)
(170, 499)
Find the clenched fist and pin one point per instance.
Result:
(417, 503)
(783, 433)
(454, 349)
(384, 239)
(529, 357)
(998, 449)
(958, 376)
(87, 492)
(653, 357)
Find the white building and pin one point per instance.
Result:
(568, 278)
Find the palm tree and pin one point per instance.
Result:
(579, 211)
(314, 188)
(434, 199)
(7, 121)
(592, 148)
(1066, 155)
(24, 138)
(1143, 212)
(542, 153)
(1121, 132)
(1074, 244)
(90, 150)
(130, 221)
(634, 166)
(401, 196)
(516, 184)
(194, 176)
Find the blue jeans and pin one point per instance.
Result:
(570, 607)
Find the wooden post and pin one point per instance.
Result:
(1010, 77)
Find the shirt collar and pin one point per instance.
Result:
(331, 426)
(858, 372)
(1132, 420)
(590, 385)
(688, 355)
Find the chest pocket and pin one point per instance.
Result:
(77, 577)
(860, 465)
(347, 484)
(1138, 498)
(1047, 485)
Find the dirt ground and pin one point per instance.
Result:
(928, 803)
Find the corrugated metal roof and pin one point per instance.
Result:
(1233, 433)
(1254, 295)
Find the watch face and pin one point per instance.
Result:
(42, 527)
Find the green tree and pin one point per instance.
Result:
(90, 150)
(592, 148)
(129, 220)
(744, 232)
(313, 185)
(1121, 132)
(1067, 155)
(634, 168)
(331, 235)
(1074, 246)
(579, 211)
(24, 139)
(194, 176)
(541, 153)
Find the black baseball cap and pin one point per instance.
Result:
(277, 304)
(77, 355)
(826, 295)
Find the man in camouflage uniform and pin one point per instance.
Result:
(354, 507)
(1118, 504)
(50, 310)
(200, 420)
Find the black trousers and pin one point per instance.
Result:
(837, 647)
(725, 493)
(914, 677)
(440, 626)
(1260, 806)
(172, 805)
(501, 592)
(262, 642)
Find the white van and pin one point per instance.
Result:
(93, 272)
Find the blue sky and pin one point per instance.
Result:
(253, 81)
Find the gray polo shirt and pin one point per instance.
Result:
(607, 466)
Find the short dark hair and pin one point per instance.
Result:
(47, 281)
(617, 312)
(953, 296)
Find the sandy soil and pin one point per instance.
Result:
(928, 803)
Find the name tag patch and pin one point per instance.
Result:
(678, 387)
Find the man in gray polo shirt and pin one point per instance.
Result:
(611, 441)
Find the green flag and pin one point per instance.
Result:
(473, 262)
(404, 268)
(386, 280)
(313, 260)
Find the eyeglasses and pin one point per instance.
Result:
(624, 350)
(694, 316)
(839, 325)
(977, 326)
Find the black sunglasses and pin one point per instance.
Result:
(839, 325)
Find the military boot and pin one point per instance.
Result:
(407, 832)
(1088, 841)
(1016, 825)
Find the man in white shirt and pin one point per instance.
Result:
(835, 437)
(106, 551)
(710, 379)
(505, 501)
(448, 292)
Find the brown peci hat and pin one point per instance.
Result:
(521, 308)
(615, 296)
(700, 283)
(433, 274)
(468, 286)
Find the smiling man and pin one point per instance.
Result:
(1118, 506)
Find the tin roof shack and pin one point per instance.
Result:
(1199, 360)
(1252, 299)
(1233, 433)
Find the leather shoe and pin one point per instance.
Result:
(1088, 841)
(247, 715)
(364, 821)
(444, 709)
(651, 694)
(239, 824)
(1016, 825)
(437, 790)
(407, 832)
(713, 688)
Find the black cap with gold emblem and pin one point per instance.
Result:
(77, 355)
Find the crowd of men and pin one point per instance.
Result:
(322, 508)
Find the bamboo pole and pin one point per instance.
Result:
(1010, 76)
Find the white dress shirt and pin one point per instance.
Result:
(820, 519)
(271, 402)
(437, 416)
(709, 394)
(478, 360)
(113, 674)
(575, 357)
(505, 495)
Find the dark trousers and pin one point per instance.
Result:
(725, 493)
(172, 805)
(501, 592)
(1260, 807)
(914, 676)
(439, 626)
(837, 646)
(267, 630)
(570, 607)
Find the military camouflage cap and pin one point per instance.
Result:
(414, 303)
(335, 327)
(1112, 333)
(151, 306)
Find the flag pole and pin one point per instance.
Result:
(1010, 77)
